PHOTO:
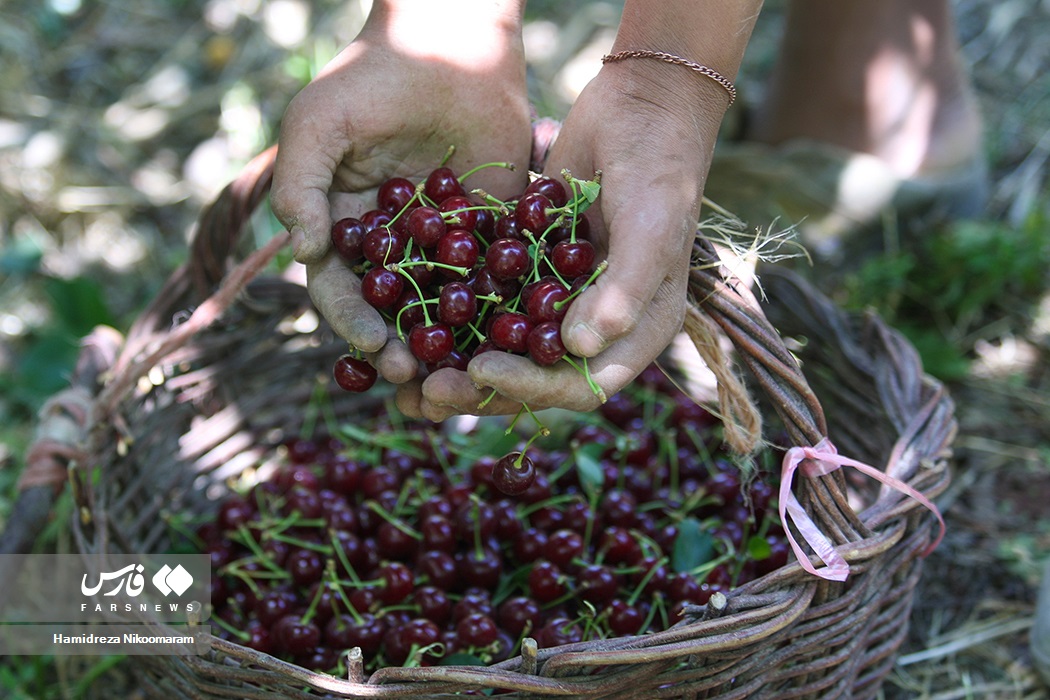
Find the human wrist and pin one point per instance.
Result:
(465, 31)
(710, 34)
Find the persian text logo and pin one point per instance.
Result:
(169, 580)
(130, 574)
(131, 580)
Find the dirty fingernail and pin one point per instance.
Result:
(584, 340)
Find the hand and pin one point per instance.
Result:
(418, 79)
(652, 139)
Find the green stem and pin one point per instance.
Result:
(476, 168)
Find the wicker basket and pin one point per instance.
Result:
(194, 399)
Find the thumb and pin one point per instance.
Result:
(648, 243)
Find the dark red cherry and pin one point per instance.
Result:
(431, 343)
(354, 374)
(544, 343)
(573, 259)
(531, 213)
(458, 248)
(382, 246)
(376, 218)
(549, 188)
(347, 236)
(381, 287)
(507, 258)
(459, 213)
(457, 304)
(407, 310)
(546, 303)
(513, 474)
(426, 227)
(441, 184)
(510, 331)
(395, 194)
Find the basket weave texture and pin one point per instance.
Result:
(214, 374)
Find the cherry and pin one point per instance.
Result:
(546, 582)
(573, 259)
(396, 582)
(507, 227)
(546, 303)
(531, 213)
(274, 605)
(513, 474)
(426, 226)
(482, 568)
(297, 637)
(625, 619)
(458, 248)
(381, 287)
(438, 568)
(598, 584)
(236, 510)
(395, 194)
(382, 246)
(433, 603)
(519, 615)
(431, 343)
(376, 218)
(354, 374)
(544, 343)
(407, 310)
(563, 546)
(476, 630)
(347, 236)
(557, 632)
(510, 331)
(507, 258)
(441, 184)
(487, 284)
(305, 565)
(454, 360)
(549, 188)
(454, 207)
(457, 305)
(419, 268)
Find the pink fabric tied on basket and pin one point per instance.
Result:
(817, 461)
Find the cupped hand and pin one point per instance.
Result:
(652, 139)
(391, 104)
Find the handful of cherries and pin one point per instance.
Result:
(461, 273)
(398, 540)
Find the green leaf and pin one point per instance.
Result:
(758, 548)
(78, 304)
(589, 467)
(461, 658)
(22, 256)
(693, 547)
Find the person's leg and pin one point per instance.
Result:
(883, 77)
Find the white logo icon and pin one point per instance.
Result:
(132, 574)
(169, 580)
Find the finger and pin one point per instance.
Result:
(520, 380)
(309, 149)
(450, 392)
(336, 292)
(407, 398)
(395, 362)
(647, 244)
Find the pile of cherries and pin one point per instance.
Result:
(395, 538)
(461, 273)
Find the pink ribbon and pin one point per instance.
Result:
(818, 461)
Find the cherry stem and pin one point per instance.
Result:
(476, 168)
(341, 555)
(448, 156)
(417, 194)
(390, 518)
(602, 267)
(397, 320)
(586, 372)
(500, 205)
(645, 580)
(485, 402)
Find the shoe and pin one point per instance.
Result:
(833, 196)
